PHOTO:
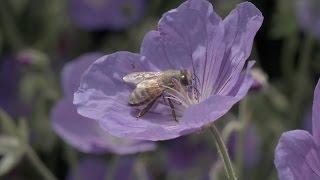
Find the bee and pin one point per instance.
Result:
(151, 85)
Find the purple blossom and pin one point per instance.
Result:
(97, 169)
(308, 13)
(251, 148)
(85, 134)
(191, 37)
(89, 168)
(260, 79)
(105, 14)
(297, 155)
(185, 153)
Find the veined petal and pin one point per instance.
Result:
(73, 70)
(185, 37)
(243, 82)
(198, 115)
(297, 156)
(86, 135)
(240, 25)
(102, 87)
(316, 114)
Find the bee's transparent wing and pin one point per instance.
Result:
(146, 91)
(137, 77)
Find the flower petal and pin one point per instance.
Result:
(103, 95)
(86, 135)
(240, 25)
(316, 114)
(102, 87)
(215, 106)
(297, 156)
(185, 35)
(72, 72)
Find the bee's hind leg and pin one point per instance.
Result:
(146, 109)
(173, 112)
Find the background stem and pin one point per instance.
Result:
(38, 164)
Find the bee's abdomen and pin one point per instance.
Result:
(139, 97)
(143, 96)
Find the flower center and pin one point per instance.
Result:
(183, 96)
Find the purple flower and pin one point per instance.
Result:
(185, 153)
(105, 14)
(97, 169)
(251, 148)
(297, 155)
(260, 79)
(85, 134)
(308, 13)
(191, 37)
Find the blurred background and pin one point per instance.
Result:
(44, 42)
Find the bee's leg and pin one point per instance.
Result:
(164, 99)
(146, 109)
(172, 110)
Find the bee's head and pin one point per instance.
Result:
(185, 77)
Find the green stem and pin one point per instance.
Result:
(114, 163)
(243, 120)
(301, 77)
(71, 156)
(140, 168)
(287, 56)
(38, 164)
(222, 149)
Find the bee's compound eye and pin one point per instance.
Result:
(183, 76)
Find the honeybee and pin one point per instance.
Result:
(151, 85)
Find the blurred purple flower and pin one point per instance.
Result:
(93, 168)
(89, 168)
(191, 37)
(9, 86)
(297, 156)
(105, 14)
(85, 134)
(251, 146)
(260, 79)
(185, 153)
(308, 13)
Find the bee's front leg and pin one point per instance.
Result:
(173, 112)
(146, 109)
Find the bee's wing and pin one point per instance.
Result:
(145, 92)
(137, 77)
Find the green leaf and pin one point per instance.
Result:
(23, 129)
(9, 161)
(10, 148)
(7, 123)
(8, 144)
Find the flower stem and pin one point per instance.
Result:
(243, 120)
(38, 164)
(223, 152)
